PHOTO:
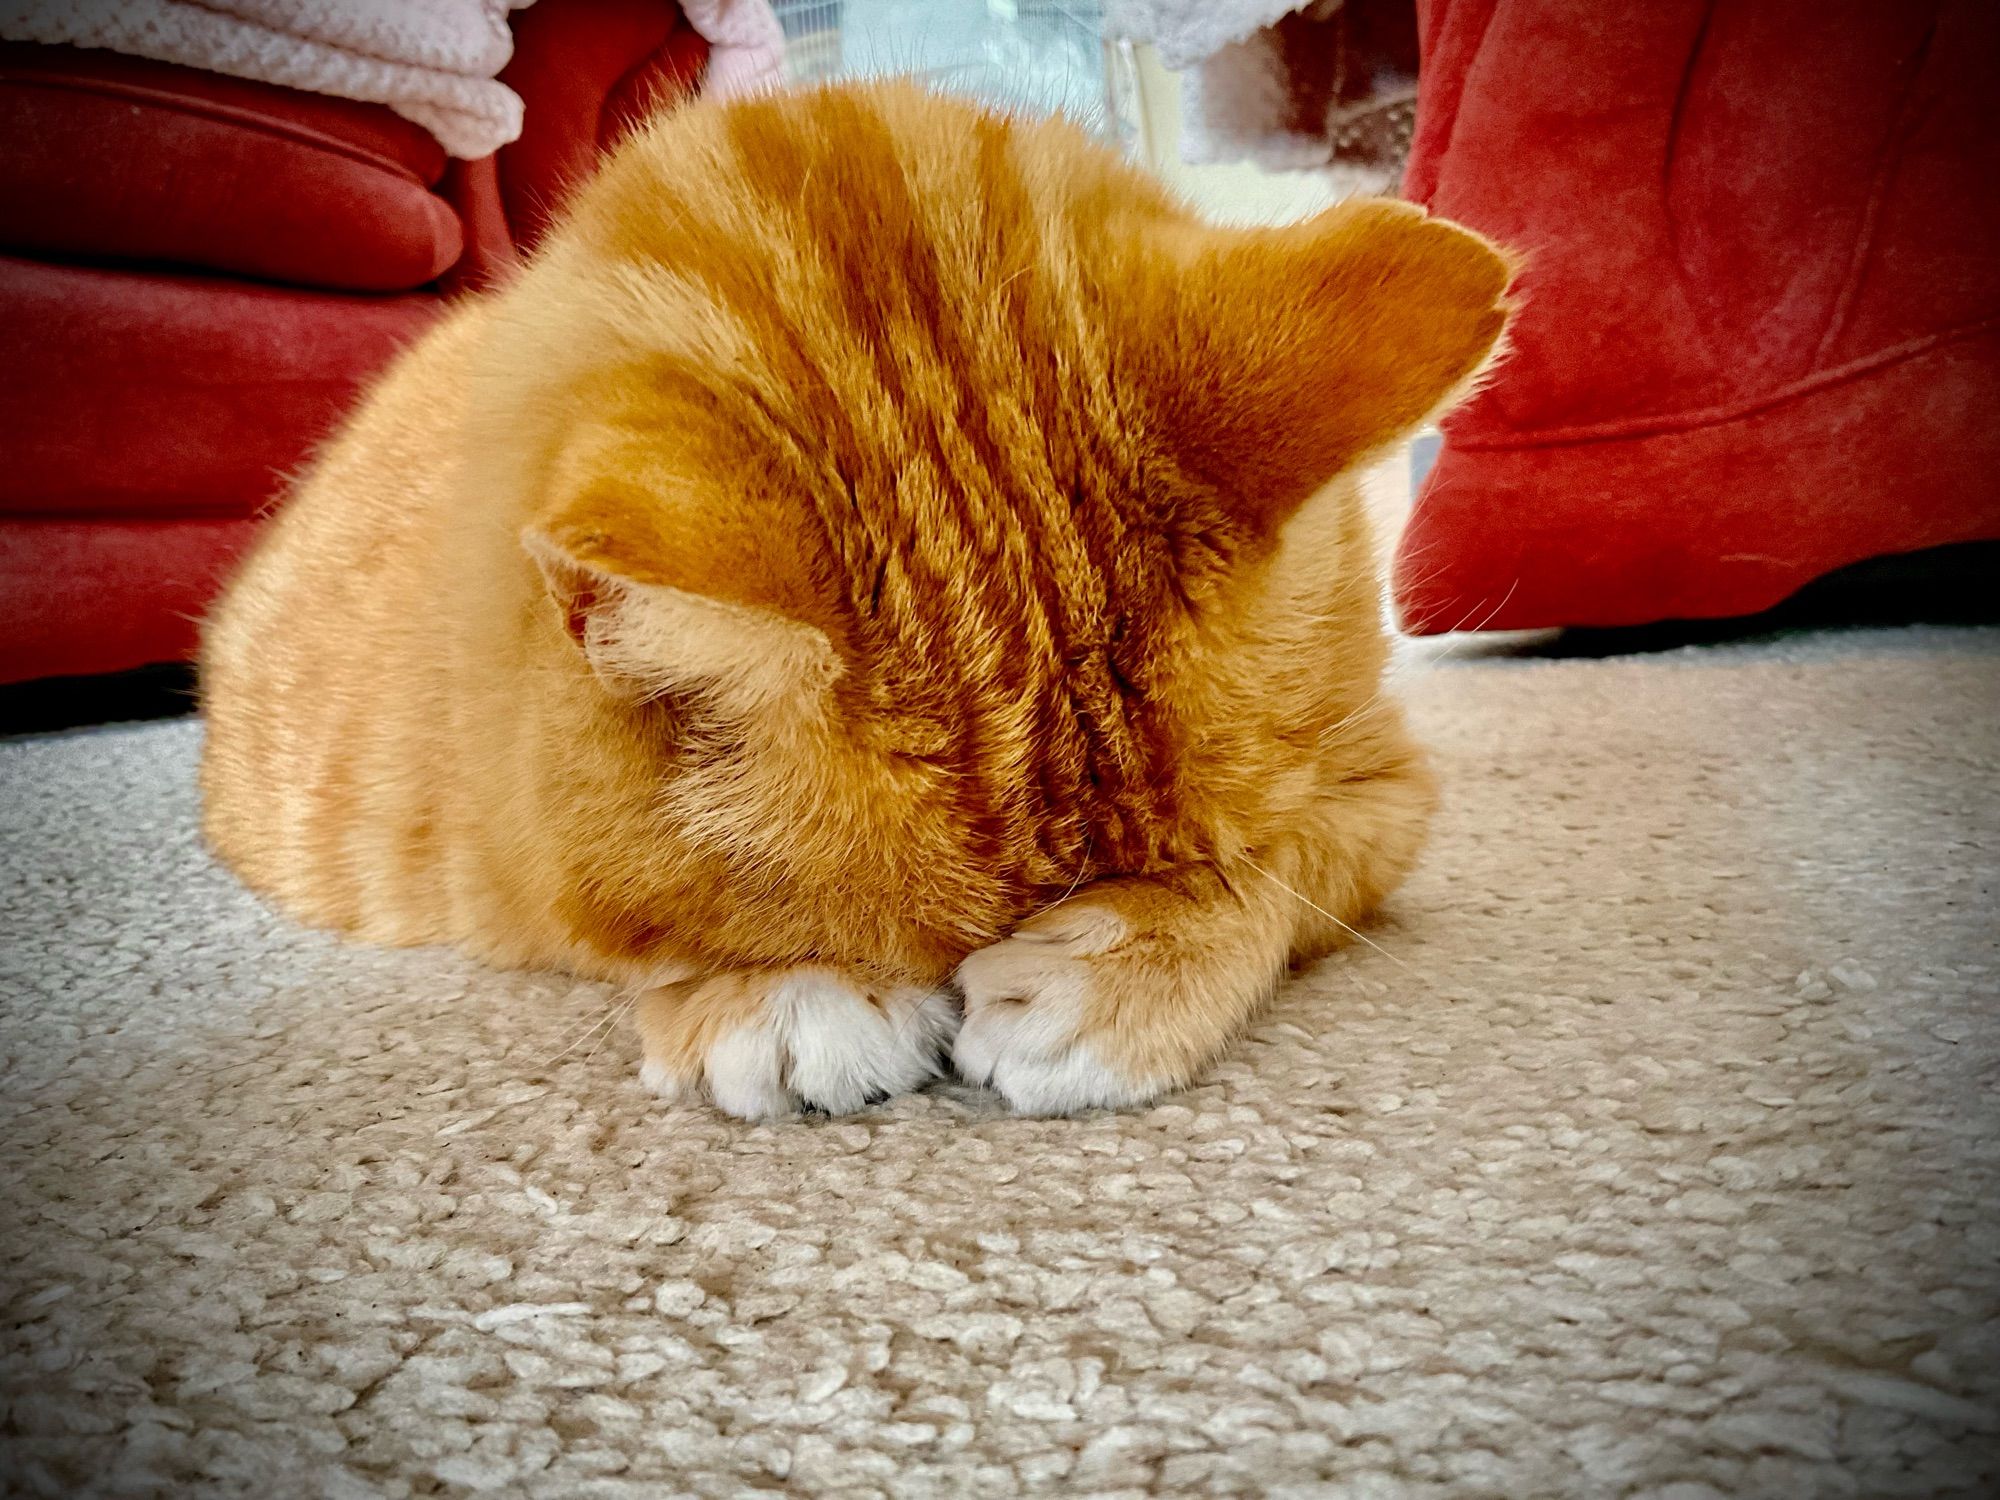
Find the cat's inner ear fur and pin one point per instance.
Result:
(1275, 359)
(648, 640)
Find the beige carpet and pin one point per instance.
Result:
(1658, 1155)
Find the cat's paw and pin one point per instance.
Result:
(766, 1045)
(1040, 1009)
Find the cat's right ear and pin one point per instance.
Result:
(645, 639)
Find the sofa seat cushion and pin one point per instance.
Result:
(123, 160)
(173, 395)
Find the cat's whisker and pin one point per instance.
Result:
(619, 1013)
(1464, 635)
(910, 1016)
(1488, 617)
(1082, 869)
(1354, 932)
(1369, 705)
(603, 1020)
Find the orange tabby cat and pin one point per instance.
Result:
(878, 540)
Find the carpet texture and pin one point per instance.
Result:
(1657, 1152)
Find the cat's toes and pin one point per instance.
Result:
(849, 1047)
(659, 1079)
(810, 1040)
(1035, 1005)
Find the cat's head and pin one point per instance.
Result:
(963, 502)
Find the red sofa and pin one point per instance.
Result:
(1759, 337)
(198, 273)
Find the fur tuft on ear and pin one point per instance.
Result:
(1274, 359)
(646, 640)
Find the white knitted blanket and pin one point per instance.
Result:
(436, 62)
(1187, 32)
(1240, 83)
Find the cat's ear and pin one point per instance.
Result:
(1275, 359)
(648, 639)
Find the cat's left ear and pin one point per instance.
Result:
(644, 638)
(1273, 360)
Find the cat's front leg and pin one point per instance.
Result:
(1123, 991)
(767, 1043)
(1131, 987)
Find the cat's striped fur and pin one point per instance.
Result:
(870, 522)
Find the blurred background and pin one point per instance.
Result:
(1755, 366)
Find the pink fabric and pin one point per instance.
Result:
(436, 62)
(746, 45)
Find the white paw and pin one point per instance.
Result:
(658, 1078)
(819, 1042)
(1027, 1007)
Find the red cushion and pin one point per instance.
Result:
(586, 70)
(103, 596)
(152, 395)
(145, 415)
(1760, 332)
(113, 157)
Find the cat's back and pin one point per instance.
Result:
(328, 708)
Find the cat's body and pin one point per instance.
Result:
(876, 540)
